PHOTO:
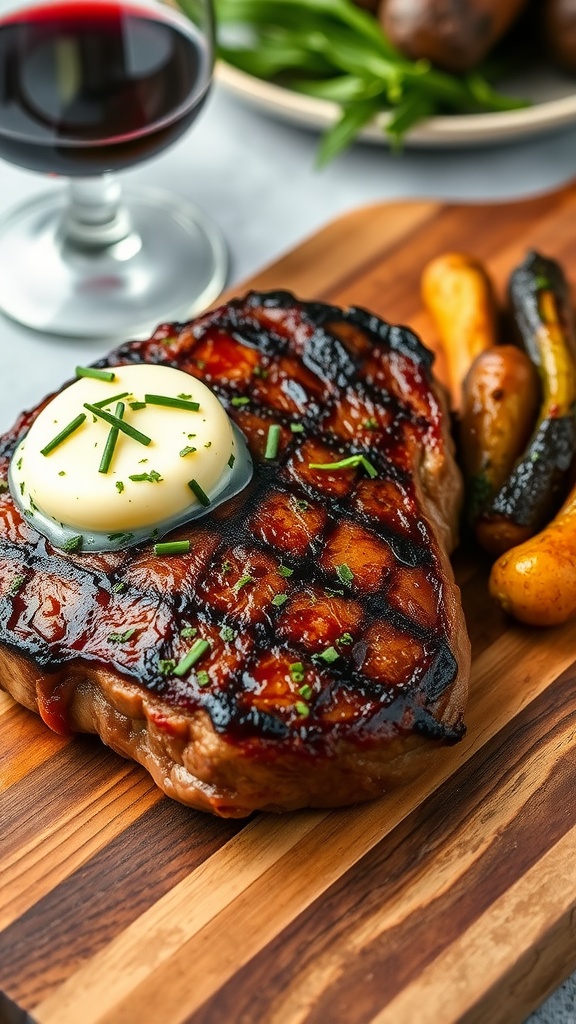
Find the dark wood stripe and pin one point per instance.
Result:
(53, 788)
(542, 734)
(94, 904)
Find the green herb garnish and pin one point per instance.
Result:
(350, 463)
(64, 434)
(188, 631)
(302, 708)
(111, 441)
(151, 478)
(91, 371)
(188, 450)
(118, 587)
(297, 428)
(296, 670)
(124, 428)
(119, 486)
(242, 582)
(122, 638)
(346, 639)
(172, 403)
(330, 655)
(16, 585)
(305, 691)
(283, 570)
(279, 599)
(166, 666)
(194, 654)
(231, 460)
(370, 423)
(272, 441)
(227, 634)
(73, 543)
(137, 405)
(345, 574)
(239, 401)
(202, 677)
(122, 538)
(174, 547)
(200, 494)
(108, 401)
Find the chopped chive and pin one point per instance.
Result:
(302, 708)
(73, 543)
(200, 494)
(16, 585)
(119, 486)
(187, 451)
(153, 477)
(240, 400)
(283, 570)
(173, 547)
(349, 463)
(305, 691)
(227, 634)
(111, 441)
(19, 463)
(331, 592)
(259, 371)
(226, 566)
(194, 654)
(345, 574)
(202, 677)
(186, 397)
(297, 672)
(122, 638)
(297, 428)
(272, 441)
(91, 371)
(279, 599)
(22, 487)
(231, 460)
(330, 655)
(242, 582)
(208, 444)
(172, 403)
(61, 473)
(122, 538)
(64, 434)
(188, 631)
(166, 666)
(119, 587)
(125, 428)
(113, 398)
(345, 639)
(137, 405)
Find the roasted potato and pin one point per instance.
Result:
(454, 36)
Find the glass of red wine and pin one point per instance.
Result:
(89, 87)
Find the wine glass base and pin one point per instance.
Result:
(172, 265)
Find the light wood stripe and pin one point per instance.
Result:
(453, 989)
(212, 942)
(28, 744)
(72, 837)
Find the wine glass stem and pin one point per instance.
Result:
(95, 217)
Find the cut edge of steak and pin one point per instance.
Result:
(395, 693)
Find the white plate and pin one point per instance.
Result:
(553, 96)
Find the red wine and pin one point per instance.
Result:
(97, 86)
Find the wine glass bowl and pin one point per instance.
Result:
(88, 87)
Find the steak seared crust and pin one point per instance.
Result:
(274, 720)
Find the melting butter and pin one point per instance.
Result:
(146, 490)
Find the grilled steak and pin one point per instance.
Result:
(339, 652)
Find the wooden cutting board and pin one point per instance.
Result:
(453, 899)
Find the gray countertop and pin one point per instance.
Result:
(255, 177)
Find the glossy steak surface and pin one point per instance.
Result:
(326, 594)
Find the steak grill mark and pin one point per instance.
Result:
(328, 372)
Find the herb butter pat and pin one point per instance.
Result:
(58, 475)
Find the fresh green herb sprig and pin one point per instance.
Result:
(332, 50)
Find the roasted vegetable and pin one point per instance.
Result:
(560, 30)
(454, 36)
(458, 293)
(536, 581)
(500, 401)
(538, 483)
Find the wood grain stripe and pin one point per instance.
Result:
(235, 924)
(61, 815)
(27, 744)
(122, 880)
(373, 932)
